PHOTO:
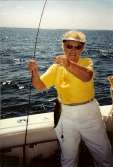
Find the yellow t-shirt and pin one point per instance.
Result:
(70, 89)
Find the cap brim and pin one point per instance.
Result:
(74, 39)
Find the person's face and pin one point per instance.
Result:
(73, 49)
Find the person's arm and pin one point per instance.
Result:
(79, 71)
(83, 73)
(36, 81)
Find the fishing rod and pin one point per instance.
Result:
(29, 100)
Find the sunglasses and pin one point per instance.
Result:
(68, 46)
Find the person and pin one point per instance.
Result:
(72, 76)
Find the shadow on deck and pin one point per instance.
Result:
(85, 159)
(53, 161)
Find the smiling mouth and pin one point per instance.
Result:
(72, 55)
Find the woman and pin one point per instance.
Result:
(72, 76)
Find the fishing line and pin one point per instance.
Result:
(29, 101)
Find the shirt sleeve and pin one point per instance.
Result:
(88, 63)
(48, 78)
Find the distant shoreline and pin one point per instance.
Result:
(55, 29)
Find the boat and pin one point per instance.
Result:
(41, 137)
(41, 140)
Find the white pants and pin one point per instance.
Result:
(83, 121)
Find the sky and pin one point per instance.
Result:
(69, 14)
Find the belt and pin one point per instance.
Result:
(75, 104)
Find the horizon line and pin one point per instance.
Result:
(57, 28)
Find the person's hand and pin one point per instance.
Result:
(62, 60)
(32, 65)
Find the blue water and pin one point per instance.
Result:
(16, 48)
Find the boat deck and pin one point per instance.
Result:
(85, 159)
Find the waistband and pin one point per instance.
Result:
(76, 104)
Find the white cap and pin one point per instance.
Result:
(75, 36)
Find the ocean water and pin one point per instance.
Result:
(17, 47)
